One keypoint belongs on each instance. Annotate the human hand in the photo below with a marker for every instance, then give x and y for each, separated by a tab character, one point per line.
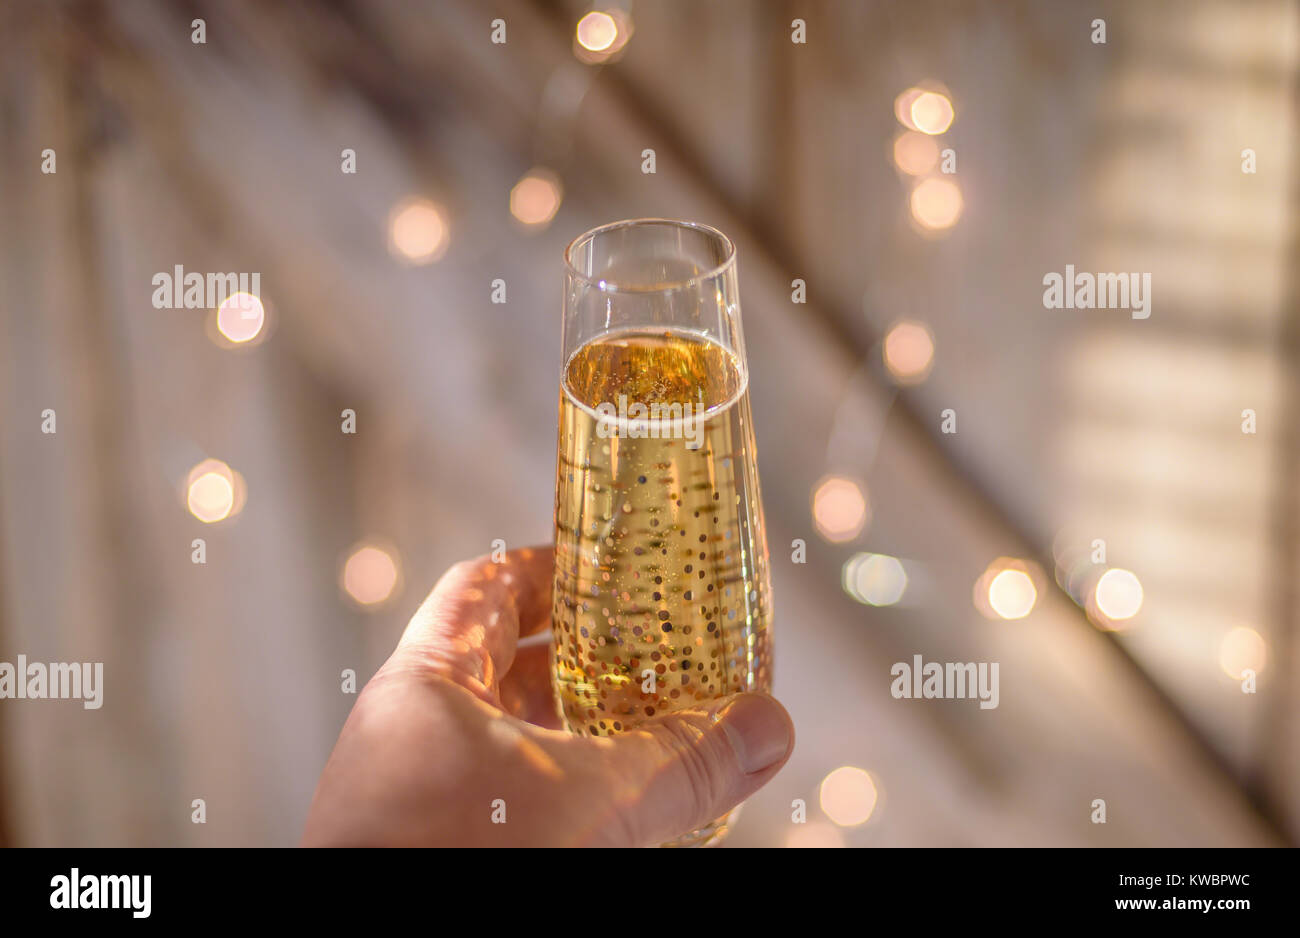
459	716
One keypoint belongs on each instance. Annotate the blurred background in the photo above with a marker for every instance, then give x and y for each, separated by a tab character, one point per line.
1099	523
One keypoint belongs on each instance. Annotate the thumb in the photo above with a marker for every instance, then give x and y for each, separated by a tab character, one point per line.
679	772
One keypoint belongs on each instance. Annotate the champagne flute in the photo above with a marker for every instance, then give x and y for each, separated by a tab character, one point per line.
662	599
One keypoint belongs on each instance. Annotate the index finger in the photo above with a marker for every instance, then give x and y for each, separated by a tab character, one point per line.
467	628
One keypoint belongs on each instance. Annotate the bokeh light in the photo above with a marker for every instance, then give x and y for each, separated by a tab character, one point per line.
1012	594
936	203
535	198
1242	649
903	106
840	509
874	579
931	112
1118	594
213	491
417	231
848	796
1007	589
370	574
240	317
915	153
597	31
908	351
241	493
601	35
815	835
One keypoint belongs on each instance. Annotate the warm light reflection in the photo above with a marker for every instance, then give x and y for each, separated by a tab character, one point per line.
931	112
601	35
840	509
1118	594
211	491
936	203
597	31
536	198
1007	589
903	106
815	835
240	317
874	579
241	494
417	231
848	796
908	352
915	153
1242	649
370	574
1012	594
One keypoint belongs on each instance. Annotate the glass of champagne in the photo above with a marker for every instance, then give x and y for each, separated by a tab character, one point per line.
662	599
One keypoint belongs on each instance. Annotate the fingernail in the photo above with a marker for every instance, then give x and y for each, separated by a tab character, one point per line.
758	730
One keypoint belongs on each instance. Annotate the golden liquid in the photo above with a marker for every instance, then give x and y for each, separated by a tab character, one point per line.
660	555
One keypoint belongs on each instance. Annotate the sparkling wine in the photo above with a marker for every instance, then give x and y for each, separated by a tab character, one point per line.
662	597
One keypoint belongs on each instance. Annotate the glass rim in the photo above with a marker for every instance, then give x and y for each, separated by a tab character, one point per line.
605	286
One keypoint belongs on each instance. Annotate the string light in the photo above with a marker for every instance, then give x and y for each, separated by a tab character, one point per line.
370	574
535	198
1006	590
601	35
417	231
1242	649
840	509
915	153
931	112
1012	594
240	317
815	835
936	203
927	108
908	352
848	796
1118	594
597	31
213	491
874	579
903	106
